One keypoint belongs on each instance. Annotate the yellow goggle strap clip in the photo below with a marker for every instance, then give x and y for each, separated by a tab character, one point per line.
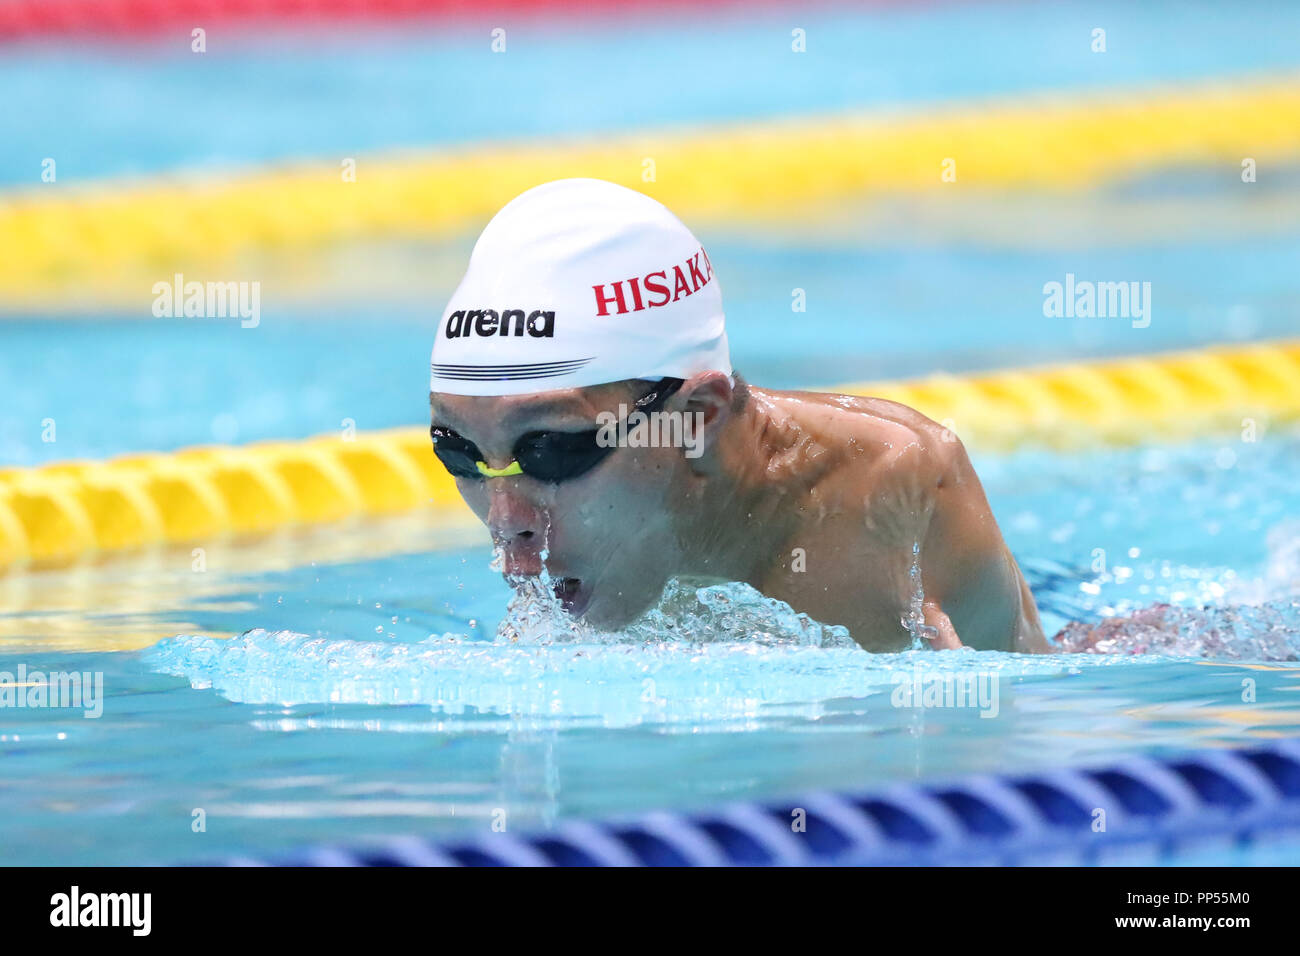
510	469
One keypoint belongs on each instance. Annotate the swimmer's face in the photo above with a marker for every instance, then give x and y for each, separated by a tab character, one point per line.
611	534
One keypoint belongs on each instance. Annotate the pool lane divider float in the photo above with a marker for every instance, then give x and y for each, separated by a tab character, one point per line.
61	513
1138	810
21	19
111	240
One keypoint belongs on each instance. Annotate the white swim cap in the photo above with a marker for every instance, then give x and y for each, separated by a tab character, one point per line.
580	282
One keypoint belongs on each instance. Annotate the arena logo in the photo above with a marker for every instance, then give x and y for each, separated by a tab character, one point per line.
639	292
208	300
485	322
1105	300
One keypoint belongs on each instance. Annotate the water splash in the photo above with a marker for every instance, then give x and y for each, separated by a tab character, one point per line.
1265	632
685	614
734	612
716	656
1280	577
481	686
914	620
534	615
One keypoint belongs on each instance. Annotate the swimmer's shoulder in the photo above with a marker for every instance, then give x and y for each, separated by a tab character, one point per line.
893	433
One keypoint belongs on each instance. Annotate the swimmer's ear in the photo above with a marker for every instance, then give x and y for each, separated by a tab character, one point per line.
709	395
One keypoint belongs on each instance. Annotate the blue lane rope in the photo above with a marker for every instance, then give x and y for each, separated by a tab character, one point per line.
1135	810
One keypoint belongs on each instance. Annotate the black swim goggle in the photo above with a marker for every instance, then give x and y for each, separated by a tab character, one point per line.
547	456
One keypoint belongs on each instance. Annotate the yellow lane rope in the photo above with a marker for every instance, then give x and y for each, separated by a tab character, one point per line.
60	240
59	513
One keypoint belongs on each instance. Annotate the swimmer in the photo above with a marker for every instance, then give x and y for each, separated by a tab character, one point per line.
582	395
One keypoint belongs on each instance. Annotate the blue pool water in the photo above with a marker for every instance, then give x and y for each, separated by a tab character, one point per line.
348	683
347	94
374	699
875	310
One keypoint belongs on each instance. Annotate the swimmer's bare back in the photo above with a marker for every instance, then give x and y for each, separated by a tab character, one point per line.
879	491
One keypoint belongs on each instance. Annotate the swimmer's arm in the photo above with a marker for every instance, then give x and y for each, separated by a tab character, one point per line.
967	570
943	637
907	486
925	489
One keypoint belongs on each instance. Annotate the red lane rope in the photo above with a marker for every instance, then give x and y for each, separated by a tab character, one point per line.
30	18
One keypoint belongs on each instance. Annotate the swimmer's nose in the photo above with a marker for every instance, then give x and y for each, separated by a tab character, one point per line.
517	528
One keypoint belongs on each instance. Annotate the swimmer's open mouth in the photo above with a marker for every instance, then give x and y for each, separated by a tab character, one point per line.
573	597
